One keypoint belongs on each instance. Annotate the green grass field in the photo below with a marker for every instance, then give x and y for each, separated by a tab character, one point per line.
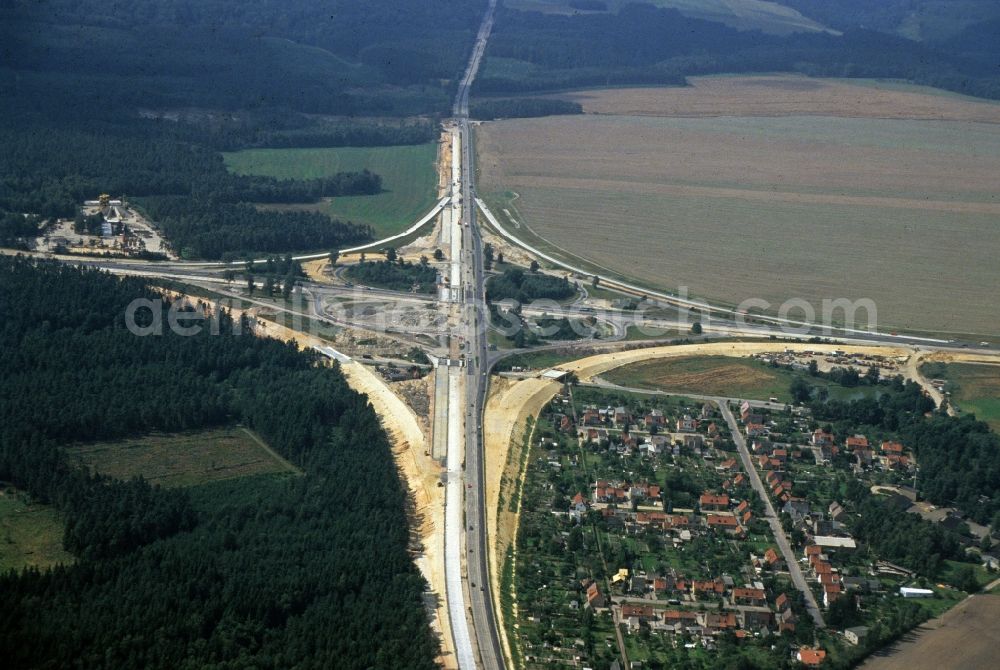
975	389
409	179
721	376
184	459
30	534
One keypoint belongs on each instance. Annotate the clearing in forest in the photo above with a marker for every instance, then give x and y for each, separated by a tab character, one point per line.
184	459
30	533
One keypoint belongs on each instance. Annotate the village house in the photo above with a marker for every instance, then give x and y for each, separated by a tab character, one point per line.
810	657
621	416
687	424
864	457
712	502
728	465
890	447
715	623
643	491
837	513
707	587
821	438
723	522
614	517
566	424
749	596
642	612
893	462
595	599
679	621
578	507
785	620
655	418
855	442
755	617
605	492
637	585
831	593
689	440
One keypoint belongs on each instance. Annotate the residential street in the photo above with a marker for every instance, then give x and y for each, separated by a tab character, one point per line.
772	518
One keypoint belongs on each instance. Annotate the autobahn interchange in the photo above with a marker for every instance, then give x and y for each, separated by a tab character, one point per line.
462	332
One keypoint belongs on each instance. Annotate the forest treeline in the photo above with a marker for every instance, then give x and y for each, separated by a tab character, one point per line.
51	173
488	109
140	97
643	44
374	58
184	187
306	571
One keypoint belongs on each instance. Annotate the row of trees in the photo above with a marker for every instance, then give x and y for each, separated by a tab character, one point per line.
306	571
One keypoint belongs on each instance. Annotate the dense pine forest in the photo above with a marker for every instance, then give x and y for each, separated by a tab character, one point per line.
273	571
644	44
375	58
139	97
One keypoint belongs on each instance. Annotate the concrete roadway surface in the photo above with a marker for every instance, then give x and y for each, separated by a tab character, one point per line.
772	518
473	333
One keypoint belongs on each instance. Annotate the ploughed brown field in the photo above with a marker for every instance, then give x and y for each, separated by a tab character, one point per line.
771	187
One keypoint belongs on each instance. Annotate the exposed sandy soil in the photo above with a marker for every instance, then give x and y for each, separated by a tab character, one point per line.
587	368
421	474
315	270
511	253
507	409
444	162
966	637
783	95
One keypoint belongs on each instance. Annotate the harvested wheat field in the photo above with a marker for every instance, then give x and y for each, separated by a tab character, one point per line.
822	205
785	95
964	638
